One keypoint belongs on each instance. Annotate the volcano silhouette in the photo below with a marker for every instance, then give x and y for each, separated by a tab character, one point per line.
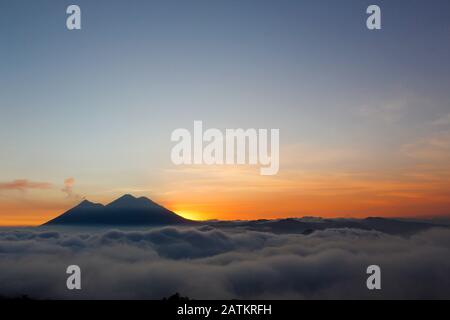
126	210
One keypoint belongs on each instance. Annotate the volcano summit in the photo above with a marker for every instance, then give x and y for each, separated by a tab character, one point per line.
124	211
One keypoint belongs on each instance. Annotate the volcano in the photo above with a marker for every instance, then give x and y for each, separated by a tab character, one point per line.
124	211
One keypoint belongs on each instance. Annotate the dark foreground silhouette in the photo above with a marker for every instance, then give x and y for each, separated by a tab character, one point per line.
125	211
143	212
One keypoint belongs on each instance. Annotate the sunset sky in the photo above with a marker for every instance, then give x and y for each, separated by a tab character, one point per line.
364	116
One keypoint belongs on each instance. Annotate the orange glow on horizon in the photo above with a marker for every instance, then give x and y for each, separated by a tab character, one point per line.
190	215
264	207
240	194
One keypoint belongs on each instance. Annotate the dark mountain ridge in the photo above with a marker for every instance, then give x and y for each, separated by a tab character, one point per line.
142	212
308	225
124	211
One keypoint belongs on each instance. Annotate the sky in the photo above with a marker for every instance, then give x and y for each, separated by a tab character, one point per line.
364	116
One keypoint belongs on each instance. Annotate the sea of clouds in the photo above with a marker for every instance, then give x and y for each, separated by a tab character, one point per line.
210	263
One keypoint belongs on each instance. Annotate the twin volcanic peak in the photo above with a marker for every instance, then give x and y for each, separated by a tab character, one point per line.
126	210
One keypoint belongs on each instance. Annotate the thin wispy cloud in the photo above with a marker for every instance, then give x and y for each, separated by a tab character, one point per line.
442	121
389	112
68	188
23	185
434	147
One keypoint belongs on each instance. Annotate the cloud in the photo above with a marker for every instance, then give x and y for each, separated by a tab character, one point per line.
68	188
24	184
442	121
213	263
389	112
434	147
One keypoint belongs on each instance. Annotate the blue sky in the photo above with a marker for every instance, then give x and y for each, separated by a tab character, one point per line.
99	104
